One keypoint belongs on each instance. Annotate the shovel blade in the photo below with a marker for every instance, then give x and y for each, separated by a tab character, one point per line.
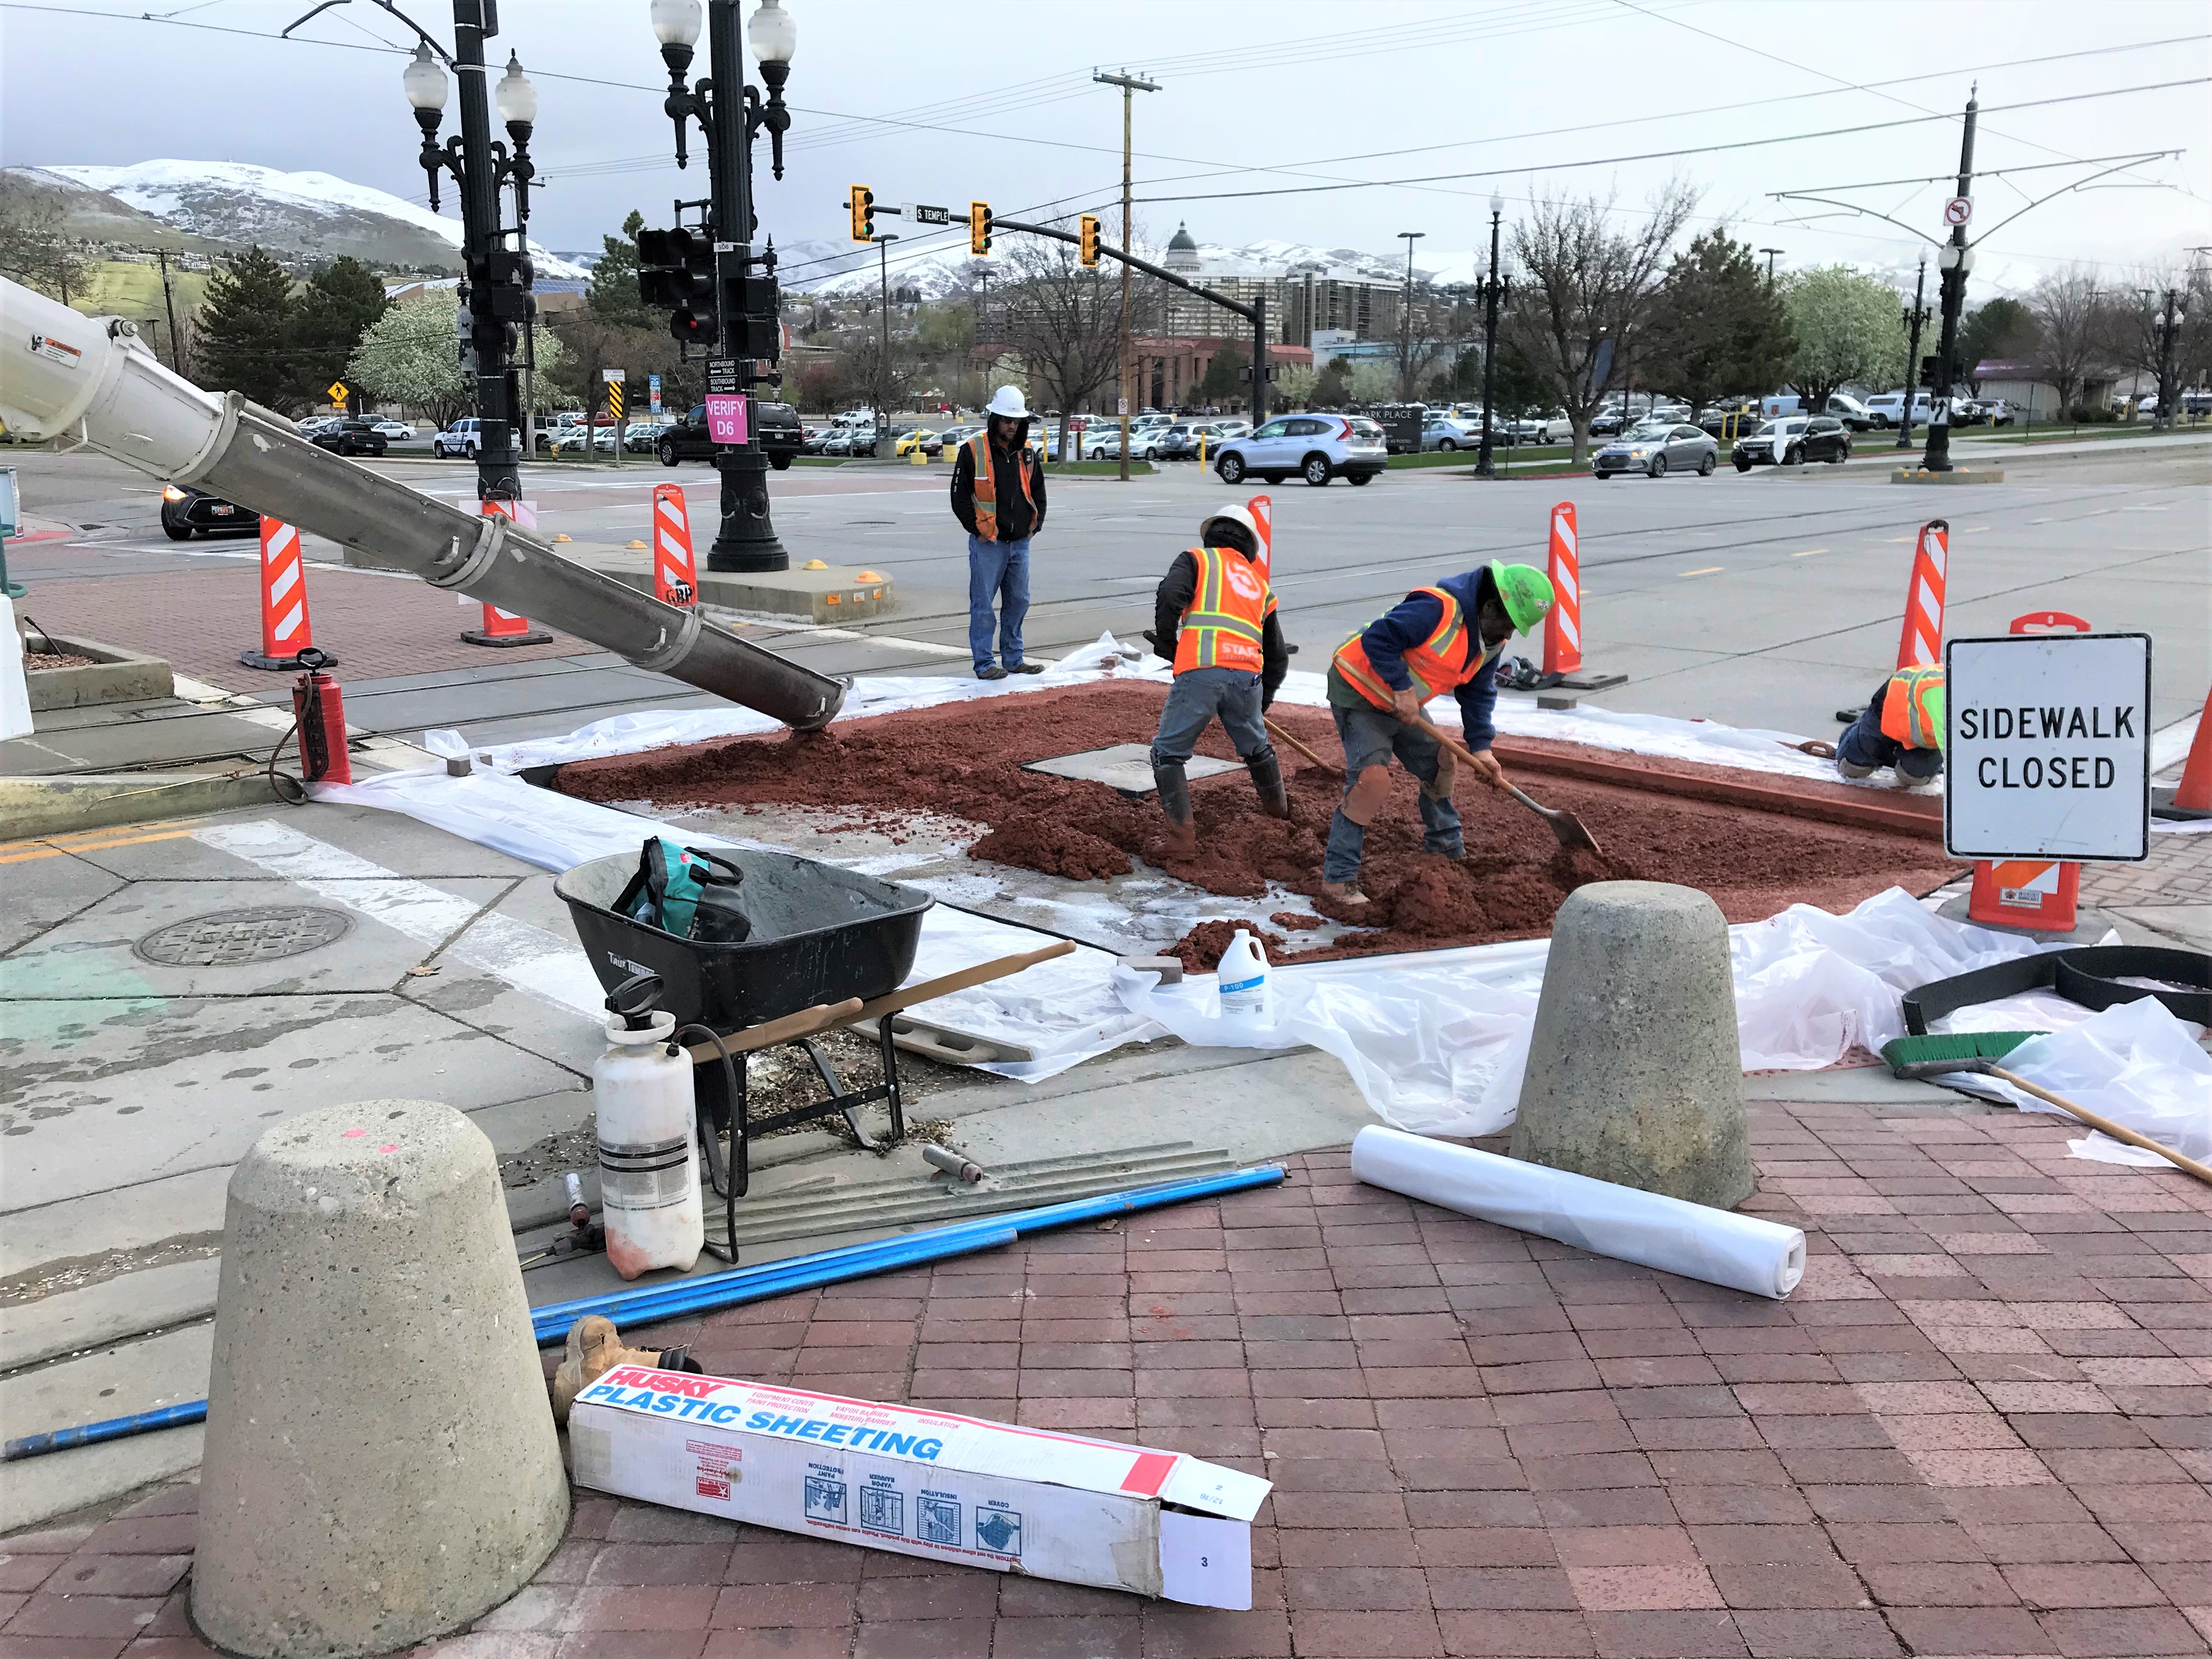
1574	836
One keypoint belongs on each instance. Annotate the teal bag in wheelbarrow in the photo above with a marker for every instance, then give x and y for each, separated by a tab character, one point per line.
687	891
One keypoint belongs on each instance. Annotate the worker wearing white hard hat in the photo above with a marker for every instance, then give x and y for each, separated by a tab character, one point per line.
998	496
1213	618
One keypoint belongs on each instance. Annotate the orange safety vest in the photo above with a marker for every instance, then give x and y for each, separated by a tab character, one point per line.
1434	663
986	489
1905	716
1222	624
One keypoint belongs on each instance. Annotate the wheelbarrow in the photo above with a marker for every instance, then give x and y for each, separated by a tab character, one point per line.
827	949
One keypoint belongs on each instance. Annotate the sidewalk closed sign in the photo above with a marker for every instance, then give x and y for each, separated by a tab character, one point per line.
2048	750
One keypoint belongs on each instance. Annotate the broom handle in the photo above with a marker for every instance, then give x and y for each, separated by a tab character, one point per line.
2117	1131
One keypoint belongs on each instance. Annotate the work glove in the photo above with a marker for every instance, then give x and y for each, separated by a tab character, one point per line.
595	1348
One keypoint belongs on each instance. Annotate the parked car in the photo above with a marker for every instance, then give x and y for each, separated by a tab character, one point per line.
1655	448
309	425
1179	441
1886	409
1798	439
350	437
921	437
1552	429
643	437
459	439
1234	428
1851	411
957	435
1442	432
1730	420
187	513
398	432
1315	447
777	425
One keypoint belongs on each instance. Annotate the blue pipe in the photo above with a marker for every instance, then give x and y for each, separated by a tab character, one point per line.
710	1291
115	1428
704	1295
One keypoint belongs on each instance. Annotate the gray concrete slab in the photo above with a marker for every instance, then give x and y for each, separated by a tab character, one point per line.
151	1299
42	888
43	1489
196	1079
1127	767
119	746
117	1231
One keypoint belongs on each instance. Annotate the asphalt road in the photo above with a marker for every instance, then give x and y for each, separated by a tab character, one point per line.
1768	599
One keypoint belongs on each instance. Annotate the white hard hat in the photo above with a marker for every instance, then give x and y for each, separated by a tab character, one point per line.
1241	516
1008	402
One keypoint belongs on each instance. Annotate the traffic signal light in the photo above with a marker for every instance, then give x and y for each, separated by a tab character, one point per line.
978	228
1090	238
676	274
863	202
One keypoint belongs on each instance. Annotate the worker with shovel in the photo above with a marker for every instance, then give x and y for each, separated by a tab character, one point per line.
1213	618
1439	639
1902	727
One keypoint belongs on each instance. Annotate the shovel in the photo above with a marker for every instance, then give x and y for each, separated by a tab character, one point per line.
1572	835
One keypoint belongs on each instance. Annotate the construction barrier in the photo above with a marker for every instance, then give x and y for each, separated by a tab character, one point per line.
503	630
285	629
1921	645
2194	793
675	574
1563	623
2036	893
1263	509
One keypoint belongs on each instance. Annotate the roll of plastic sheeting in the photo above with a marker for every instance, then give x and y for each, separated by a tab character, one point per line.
1717	1246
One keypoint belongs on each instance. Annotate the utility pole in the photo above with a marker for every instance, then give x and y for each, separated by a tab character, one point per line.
1406	320
884	361
1131	84
1955	259
1916	316
1769	252
169	304
1485	463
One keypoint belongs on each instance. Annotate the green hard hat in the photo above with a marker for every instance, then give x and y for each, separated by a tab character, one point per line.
1525	591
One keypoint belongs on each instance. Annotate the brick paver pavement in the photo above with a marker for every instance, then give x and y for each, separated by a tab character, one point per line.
2178	871
201	619
1982	1426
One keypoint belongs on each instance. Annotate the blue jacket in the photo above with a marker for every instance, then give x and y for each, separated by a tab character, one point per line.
1389	636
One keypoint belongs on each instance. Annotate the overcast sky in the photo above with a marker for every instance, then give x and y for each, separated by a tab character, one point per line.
993	101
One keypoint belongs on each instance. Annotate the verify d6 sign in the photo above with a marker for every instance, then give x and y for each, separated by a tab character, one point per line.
2048	753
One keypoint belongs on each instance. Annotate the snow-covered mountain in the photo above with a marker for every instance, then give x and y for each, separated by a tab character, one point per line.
303	215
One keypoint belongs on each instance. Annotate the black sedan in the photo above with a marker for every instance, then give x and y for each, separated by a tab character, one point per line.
351	436
1792	441
187	513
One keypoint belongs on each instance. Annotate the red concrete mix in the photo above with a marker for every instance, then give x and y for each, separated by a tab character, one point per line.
965	760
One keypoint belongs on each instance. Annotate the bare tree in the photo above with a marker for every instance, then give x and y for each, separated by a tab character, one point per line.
2134	337
1587	293
2069	324
1062	320
35	248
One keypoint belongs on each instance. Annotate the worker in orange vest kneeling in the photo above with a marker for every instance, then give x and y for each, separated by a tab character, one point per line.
1436	639
1213	618
1902	727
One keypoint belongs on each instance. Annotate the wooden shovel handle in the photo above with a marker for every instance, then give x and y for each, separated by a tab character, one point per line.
806	1023
2117	1131
1460	751
1295	744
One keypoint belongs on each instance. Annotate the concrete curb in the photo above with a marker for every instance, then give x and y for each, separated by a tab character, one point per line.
32	807
114	675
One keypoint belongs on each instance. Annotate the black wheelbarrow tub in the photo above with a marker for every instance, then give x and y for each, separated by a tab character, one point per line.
820	934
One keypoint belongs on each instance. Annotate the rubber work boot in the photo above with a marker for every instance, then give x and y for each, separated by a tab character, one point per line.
1174	802
1266	771
1345	893
595	1348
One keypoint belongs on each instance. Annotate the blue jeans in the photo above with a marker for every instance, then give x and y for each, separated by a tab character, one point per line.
1370	738
1001	571
1864	744
1198	696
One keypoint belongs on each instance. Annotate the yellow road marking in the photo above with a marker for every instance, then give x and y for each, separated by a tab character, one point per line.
70	838
1710	570
1809	553
53	849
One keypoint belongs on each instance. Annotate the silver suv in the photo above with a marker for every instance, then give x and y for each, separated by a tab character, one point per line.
1316	447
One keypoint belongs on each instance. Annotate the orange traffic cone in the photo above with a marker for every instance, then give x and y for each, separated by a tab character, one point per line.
2192	796
503	628
285	629
1921	645
1562	626
1262	508
675	577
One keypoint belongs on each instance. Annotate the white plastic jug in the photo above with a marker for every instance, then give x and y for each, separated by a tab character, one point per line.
1242	978
648	1157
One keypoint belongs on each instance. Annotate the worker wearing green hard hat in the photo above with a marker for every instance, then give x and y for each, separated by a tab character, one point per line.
1439	639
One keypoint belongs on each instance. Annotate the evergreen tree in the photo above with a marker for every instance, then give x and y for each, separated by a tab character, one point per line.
241	330
2002	328
336	307
613	295
1720	327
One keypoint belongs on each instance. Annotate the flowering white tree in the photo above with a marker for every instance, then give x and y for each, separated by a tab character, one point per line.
411	355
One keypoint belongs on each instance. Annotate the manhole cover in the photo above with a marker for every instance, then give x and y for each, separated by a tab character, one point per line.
225	938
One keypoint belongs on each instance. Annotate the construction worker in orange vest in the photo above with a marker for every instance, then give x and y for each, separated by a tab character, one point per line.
1439	639
1213	618
1902	727
998	496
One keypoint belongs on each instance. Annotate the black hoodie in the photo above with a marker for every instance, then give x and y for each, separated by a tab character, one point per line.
1013	514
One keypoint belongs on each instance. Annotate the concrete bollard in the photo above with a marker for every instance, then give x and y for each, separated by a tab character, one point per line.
381	1463
1635	1073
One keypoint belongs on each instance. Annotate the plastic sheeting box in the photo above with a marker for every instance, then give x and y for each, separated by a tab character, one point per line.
922	1483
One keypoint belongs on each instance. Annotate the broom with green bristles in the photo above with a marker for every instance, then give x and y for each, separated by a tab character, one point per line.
1922	1058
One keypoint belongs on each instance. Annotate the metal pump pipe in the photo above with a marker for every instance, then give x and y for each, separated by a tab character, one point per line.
65	374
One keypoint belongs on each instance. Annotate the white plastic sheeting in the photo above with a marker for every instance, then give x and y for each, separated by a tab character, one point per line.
1694	1240
2136	1063
15	688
